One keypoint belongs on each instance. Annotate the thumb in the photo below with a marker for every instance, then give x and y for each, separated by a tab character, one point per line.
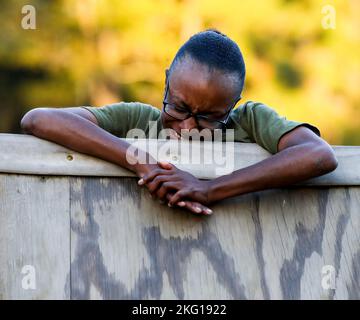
165	165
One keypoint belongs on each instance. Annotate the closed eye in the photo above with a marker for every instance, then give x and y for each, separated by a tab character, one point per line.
214	116
177	108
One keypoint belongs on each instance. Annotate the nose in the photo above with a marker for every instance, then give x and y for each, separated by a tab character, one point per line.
188	124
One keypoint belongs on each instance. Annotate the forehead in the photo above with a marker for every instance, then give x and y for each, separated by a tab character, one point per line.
201	89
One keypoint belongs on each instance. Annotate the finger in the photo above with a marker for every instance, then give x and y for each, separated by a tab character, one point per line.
196	208
205	210
151	175
158	181
165	165
166	188
169	195
178	196
190	205
193	205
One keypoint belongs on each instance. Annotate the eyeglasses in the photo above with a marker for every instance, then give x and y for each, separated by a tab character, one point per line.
181	114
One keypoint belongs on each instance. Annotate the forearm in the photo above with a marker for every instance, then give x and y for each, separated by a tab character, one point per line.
287	167
81	135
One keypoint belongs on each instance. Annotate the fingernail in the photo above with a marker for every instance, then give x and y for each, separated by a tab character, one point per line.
140	182
208	211
198	210
169	205
181	204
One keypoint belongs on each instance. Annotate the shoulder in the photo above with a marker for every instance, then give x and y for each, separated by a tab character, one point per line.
250	107
246	113
134	107
130	110
118	118
264	125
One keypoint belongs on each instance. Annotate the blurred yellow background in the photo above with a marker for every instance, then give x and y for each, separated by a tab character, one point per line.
93	52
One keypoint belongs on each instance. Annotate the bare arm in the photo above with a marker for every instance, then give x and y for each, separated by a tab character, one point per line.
77	129
301	155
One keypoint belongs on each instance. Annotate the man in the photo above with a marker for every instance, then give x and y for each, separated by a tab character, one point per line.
203	84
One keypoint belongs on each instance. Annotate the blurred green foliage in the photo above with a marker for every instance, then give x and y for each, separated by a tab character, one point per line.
94	52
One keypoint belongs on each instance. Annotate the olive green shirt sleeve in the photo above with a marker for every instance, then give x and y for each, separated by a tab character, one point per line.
252	122
119	118
265	126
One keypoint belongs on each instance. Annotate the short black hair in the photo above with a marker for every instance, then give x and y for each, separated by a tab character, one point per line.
216	51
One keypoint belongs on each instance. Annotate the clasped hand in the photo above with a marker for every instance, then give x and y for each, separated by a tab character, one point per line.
177	187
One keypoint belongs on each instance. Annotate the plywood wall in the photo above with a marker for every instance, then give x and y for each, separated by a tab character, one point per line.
105	238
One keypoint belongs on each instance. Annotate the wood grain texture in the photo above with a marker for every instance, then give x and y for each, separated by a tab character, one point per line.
105	238
30	155
266	245
34	231
97	237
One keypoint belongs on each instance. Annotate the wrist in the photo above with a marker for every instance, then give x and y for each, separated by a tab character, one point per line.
142	169
214	191
211	191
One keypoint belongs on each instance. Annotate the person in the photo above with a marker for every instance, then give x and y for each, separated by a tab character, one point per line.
202	86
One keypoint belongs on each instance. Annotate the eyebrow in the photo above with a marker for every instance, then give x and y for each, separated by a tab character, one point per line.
181	102
184	104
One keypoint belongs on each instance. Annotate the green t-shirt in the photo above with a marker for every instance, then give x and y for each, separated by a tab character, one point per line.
252	122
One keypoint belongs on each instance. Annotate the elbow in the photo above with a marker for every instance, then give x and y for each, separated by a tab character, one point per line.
326	160
27	122
34	120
